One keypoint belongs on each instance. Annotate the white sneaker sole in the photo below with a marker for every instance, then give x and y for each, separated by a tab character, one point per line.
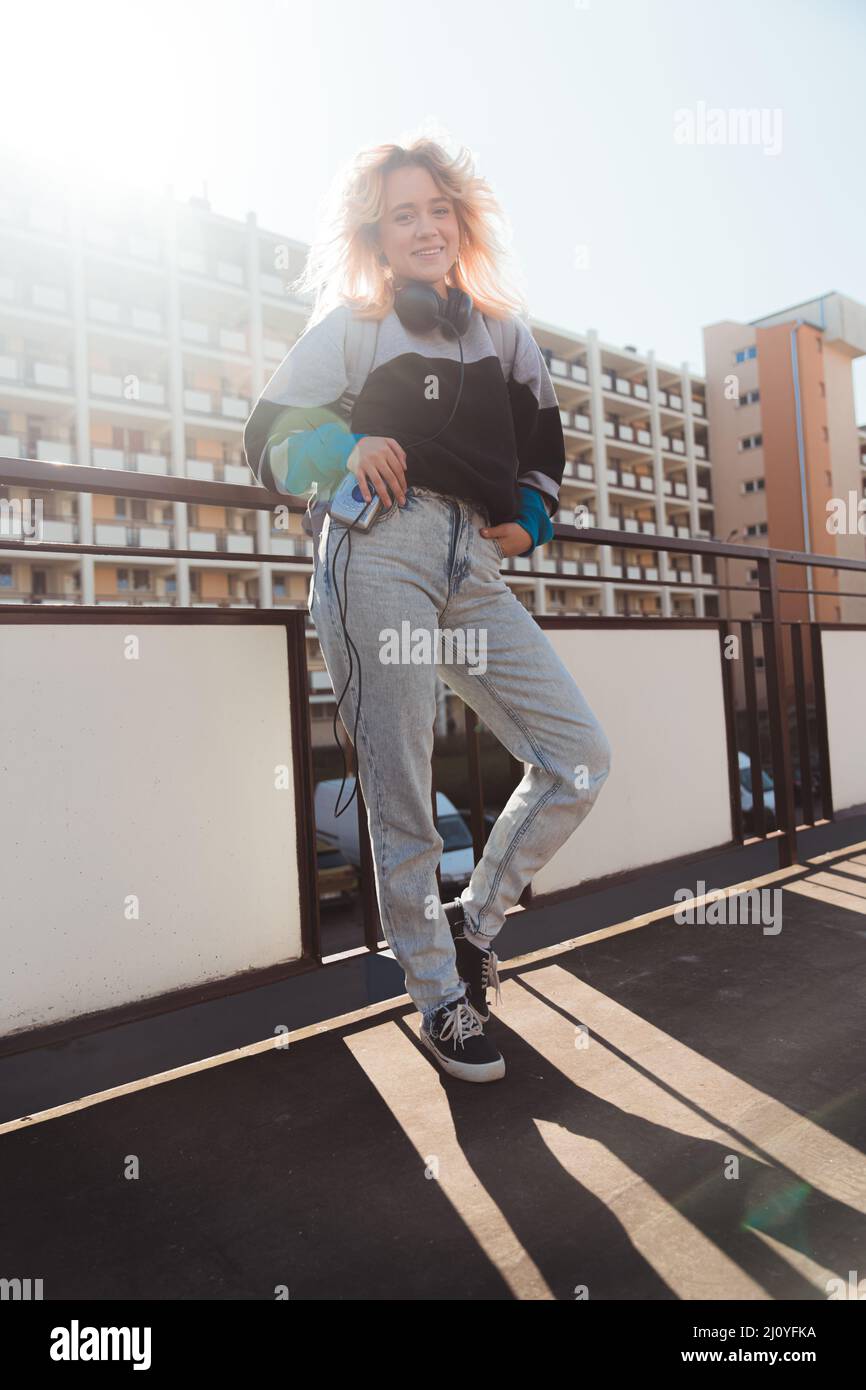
465	1071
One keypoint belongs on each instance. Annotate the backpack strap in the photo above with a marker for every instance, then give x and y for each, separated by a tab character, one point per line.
362	336
359	350
503	335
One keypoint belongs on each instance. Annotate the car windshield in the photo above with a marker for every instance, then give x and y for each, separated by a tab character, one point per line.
455	833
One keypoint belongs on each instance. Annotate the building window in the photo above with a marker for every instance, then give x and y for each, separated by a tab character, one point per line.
749	398
754	485
6	576
759	529
745	353
123	579
751	441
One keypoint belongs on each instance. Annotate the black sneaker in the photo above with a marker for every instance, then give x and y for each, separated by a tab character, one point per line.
476	968
455	1036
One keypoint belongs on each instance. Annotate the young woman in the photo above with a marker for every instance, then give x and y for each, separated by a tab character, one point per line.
459	489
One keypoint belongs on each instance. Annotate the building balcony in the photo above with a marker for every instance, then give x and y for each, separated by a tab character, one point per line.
136	535
136	598
194	264
214	336
222	538
567	371
130	463
127	388
112	313
204	470
35	375
19	293
8	594
576	420
212	403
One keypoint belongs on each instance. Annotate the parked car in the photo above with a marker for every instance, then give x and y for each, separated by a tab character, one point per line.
339	880
747	797
489	820
457	862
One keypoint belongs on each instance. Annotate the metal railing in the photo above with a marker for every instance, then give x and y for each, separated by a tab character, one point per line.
810	742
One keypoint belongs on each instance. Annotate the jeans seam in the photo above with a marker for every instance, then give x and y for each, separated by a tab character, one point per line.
512	846
337	627
382	827
452	550
527	820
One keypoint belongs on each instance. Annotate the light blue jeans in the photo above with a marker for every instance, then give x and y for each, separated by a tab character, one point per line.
424	569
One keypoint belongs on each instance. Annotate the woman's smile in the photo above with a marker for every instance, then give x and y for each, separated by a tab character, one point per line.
419	232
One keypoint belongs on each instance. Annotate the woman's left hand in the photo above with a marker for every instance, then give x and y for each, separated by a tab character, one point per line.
513	538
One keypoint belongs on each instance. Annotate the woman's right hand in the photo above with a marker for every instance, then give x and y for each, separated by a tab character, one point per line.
376	461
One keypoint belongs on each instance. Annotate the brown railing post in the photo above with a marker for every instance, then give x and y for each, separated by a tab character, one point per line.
777	712
821	723
759	817
476	794
731	734
305	813
804	746
369	902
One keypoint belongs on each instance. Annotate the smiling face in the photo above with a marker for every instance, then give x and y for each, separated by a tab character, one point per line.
418	216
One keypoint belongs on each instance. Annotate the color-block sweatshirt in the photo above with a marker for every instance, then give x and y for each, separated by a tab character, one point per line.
505	434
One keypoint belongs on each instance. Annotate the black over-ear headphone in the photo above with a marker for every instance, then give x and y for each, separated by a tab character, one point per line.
419	308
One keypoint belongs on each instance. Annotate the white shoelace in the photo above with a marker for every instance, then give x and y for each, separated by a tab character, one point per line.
491	975
463	1022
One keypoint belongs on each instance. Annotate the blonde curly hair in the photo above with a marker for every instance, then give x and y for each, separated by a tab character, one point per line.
343	265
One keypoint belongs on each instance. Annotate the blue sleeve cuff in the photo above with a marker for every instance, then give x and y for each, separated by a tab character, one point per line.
534	517
313	456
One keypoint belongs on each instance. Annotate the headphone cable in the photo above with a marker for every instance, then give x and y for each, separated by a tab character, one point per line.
350	645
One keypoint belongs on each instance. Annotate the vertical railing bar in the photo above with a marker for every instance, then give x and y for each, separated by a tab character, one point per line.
821	723
476	790
751	689
731	735
803	746
777	713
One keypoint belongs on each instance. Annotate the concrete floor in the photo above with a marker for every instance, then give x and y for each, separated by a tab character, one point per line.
683	1117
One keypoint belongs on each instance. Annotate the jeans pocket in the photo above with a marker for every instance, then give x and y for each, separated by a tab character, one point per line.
385	513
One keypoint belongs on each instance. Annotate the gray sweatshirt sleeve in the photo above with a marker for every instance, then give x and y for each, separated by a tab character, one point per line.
297	438
537	422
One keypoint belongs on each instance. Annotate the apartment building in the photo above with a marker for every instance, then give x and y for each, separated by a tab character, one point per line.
638	461
135	334
780	400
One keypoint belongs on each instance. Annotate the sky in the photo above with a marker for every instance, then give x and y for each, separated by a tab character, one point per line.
584	116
